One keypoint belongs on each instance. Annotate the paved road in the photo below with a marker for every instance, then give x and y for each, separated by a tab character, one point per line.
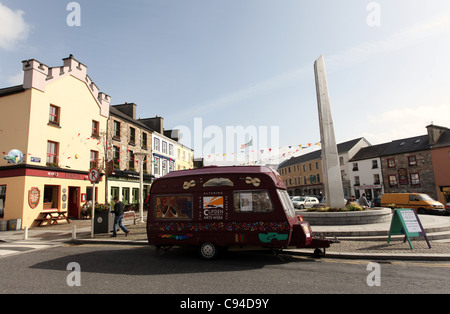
137	269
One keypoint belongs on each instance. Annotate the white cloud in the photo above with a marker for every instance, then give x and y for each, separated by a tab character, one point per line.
405	122
13	28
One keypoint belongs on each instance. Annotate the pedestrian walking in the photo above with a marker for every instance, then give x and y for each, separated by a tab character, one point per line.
118	219
363	201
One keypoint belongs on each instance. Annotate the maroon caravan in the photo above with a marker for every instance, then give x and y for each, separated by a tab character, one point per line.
219	207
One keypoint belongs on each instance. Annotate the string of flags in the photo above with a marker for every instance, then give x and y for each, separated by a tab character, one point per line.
286	152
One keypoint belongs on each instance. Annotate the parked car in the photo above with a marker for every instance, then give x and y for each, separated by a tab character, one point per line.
422	203
323	202
302	202
447	209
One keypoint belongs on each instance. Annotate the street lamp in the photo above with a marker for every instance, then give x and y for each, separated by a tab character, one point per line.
141	157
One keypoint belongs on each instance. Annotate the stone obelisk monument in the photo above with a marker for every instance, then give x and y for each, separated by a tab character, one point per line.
330	160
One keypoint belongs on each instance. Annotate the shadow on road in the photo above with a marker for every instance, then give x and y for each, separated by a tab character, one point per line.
132	260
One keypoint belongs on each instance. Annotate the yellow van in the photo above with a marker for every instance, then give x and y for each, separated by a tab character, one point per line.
422	203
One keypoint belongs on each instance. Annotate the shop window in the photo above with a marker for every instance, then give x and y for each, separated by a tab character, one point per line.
126	196
114	193
173	207
135	199
51	196
252	202
2	200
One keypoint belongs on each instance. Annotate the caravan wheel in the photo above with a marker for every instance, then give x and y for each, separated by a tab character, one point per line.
208	251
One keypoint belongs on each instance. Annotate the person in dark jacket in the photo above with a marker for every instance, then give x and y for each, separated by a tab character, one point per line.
118	219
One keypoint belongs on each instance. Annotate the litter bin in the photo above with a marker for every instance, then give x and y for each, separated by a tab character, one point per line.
3	225
103	221
14	224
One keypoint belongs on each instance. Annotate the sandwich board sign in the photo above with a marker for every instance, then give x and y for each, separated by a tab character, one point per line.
405	221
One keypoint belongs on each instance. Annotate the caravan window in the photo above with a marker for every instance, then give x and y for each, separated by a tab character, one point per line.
252	202
173	207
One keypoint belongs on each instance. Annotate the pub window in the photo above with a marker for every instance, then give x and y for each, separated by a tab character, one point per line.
2	200
51	196
173	207
412	161
156	144
52	153
164	147
135	198
252	202
126	196
54	115
171	149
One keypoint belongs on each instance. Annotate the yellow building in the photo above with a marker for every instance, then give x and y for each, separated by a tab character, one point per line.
185	158
57	120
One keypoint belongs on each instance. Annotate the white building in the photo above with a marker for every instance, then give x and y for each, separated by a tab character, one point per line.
365	172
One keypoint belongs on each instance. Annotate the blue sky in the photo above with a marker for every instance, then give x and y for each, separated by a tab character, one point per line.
250	62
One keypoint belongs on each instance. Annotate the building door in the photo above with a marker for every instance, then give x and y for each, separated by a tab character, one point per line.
74	201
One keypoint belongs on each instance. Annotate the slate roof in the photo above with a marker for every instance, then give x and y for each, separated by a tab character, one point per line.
402	146
342	148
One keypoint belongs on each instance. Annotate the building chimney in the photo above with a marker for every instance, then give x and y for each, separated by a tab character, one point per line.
156	123
127	108
434	132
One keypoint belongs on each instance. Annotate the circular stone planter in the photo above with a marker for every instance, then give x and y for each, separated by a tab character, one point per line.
370	216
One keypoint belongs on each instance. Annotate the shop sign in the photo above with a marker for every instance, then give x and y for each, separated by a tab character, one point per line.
34	195
402	176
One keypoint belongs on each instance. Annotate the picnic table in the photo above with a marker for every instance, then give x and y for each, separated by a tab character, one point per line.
52	217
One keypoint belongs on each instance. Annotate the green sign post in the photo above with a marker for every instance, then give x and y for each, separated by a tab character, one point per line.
405	221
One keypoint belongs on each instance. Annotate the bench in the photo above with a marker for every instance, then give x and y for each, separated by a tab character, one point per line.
52	217
130	214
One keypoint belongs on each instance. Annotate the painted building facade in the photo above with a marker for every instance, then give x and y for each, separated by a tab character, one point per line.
55	119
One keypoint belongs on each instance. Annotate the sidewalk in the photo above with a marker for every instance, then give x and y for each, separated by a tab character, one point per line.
359	246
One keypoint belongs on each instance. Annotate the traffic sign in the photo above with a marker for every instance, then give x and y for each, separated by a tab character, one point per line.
93	175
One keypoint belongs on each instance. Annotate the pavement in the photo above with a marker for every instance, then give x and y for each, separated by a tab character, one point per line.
355	241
